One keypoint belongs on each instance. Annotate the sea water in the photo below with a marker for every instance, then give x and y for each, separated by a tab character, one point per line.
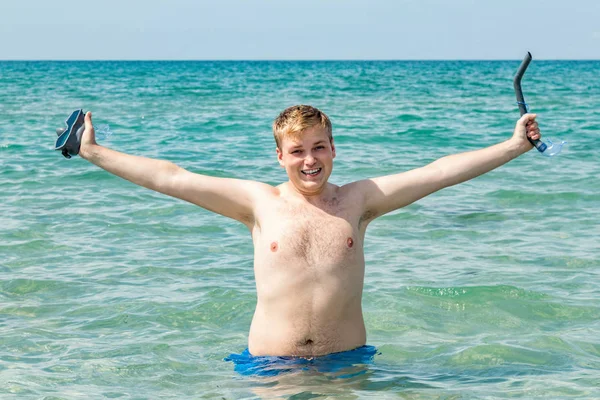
489	289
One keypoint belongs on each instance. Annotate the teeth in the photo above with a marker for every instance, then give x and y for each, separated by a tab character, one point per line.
311	171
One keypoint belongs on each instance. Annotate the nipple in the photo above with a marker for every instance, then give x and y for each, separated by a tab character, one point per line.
274	247
350	242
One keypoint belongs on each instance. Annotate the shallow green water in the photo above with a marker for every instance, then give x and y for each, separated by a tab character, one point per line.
490	289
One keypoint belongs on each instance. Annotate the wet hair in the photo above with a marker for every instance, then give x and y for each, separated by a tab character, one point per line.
293	121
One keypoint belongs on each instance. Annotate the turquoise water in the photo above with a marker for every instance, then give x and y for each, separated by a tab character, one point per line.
490	289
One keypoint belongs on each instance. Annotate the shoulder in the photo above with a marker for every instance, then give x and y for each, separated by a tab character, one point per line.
262	187
355	195
358	189
260	191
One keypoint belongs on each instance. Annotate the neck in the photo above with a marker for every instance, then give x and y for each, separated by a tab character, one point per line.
323	193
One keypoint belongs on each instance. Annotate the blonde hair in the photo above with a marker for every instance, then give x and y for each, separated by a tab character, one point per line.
293	121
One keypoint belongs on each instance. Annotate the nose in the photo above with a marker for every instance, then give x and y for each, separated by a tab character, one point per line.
309	159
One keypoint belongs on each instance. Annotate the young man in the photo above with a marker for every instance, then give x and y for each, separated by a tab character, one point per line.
308	233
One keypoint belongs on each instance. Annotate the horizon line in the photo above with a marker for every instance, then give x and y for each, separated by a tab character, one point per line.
284	59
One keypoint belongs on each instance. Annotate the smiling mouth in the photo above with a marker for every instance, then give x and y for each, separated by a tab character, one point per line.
311	172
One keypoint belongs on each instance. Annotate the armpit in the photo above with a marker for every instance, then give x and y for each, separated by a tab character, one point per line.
245	218
367	217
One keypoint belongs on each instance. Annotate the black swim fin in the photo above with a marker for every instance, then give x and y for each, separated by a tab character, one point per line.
69	138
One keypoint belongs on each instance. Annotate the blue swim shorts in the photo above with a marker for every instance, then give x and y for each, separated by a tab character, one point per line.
247	364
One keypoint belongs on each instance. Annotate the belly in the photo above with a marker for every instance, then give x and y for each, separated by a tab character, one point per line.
308	312
305	337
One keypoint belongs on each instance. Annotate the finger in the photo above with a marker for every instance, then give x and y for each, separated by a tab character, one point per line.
534	134
88	120
532	124
533	127
526	118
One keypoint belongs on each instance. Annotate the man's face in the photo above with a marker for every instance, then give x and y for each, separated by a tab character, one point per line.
308	160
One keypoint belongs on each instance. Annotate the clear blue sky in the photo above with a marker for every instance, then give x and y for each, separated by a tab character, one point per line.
300	29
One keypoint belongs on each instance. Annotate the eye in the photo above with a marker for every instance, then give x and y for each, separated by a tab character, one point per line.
297	151
319	147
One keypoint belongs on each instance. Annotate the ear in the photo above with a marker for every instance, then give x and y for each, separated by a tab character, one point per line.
332	149
280	157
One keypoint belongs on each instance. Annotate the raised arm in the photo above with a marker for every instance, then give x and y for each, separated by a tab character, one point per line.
388	193
232	198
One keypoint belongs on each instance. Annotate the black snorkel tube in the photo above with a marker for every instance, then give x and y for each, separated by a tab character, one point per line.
547	150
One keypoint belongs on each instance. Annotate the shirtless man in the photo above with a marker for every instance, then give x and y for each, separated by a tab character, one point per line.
308	234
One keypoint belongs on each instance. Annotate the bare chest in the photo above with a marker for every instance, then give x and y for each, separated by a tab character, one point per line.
310	236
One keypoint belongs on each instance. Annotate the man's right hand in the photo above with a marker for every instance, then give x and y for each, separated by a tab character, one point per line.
88	139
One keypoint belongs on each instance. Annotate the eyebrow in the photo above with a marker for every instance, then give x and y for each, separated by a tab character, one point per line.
300	145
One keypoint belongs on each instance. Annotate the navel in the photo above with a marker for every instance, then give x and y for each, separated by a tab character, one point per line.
274	247
350	242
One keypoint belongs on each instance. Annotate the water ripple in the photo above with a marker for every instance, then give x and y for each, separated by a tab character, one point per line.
486	290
